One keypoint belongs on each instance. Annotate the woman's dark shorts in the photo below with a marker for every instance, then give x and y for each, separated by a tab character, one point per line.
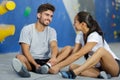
118	61
41	62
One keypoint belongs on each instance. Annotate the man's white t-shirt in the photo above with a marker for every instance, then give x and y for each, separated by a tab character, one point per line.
39	41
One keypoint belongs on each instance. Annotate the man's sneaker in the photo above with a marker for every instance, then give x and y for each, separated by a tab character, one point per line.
44	69
20	68
109	76
38	70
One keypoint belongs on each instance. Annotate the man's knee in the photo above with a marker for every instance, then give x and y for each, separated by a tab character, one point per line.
20	56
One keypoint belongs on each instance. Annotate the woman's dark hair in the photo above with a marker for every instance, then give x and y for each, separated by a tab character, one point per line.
91	23
45	7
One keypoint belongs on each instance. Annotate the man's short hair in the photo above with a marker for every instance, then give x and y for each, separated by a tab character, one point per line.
45	7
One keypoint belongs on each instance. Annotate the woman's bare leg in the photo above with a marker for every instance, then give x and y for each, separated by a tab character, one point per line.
91	72
64	53
106	59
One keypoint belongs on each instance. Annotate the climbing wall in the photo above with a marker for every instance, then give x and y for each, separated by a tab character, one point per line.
106	12
25	13
108	15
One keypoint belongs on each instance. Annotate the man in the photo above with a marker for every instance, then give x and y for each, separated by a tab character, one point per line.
39	45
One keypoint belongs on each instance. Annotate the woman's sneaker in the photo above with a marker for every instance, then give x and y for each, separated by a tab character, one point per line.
105	75
20	68
66	74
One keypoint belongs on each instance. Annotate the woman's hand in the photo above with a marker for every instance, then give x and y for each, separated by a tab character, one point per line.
54	70
53	61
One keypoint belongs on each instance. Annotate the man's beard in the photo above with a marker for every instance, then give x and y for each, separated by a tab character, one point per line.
43	23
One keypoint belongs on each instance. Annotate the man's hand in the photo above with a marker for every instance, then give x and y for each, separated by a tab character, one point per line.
37	66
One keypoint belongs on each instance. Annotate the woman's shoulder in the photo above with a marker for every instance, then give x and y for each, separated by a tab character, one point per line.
80	33
94	33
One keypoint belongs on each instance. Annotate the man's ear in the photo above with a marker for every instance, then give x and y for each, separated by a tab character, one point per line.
38	15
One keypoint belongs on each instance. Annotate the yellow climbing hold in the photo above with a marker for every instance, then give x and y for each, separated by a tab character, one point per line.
10	5
6	6
5	31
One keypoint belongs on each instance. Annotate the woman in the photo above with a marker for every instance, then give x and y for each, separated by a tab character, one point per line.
99	56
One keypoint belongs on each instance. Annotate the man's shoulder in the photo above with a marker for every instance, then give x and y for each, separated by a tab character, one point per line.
51	28
29	26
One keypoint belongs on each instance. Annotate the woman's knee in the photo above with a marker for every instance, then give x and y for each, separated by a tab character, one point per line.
101	49
71	67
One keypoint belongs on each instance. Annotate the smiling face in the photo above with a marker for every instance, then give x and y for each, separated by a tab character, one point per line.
45	17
